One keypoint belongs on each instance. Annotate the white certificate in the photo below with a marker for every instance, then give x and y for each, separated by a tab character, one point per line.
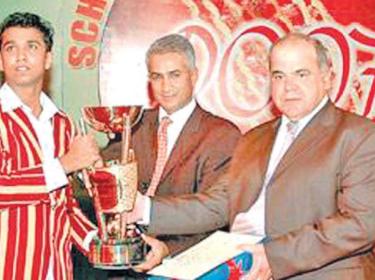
204	256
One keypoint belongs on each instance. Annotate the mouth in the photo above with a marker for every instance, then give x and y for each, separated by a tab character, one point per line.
22	68
291	99
168	96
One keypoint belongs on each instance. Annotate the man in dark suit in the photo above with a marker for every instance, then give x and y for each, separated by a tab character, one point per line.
199	144
305	181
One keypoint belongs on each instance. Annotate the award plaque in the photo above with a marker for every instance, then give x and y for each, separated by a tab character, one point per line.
113	188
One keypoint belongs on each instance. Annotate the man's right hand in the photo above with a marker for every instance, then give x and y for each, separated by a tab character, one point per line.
83	152
158	252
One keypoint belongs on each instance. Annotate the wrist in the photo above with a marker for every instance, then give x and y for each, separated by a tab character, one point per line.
66	164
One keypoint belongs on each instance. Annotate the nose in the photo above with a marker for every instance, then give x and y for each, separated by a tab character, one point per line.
21	54
289	83
166	84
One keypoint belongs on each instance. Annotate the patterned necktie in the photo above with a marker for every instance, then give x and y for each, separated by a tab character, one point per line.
292	129
161	159
290	136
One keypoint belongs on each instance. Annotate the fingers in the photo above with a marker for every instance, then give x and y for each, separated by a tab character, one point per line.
254	272
158	252
83	152
260	269
151	262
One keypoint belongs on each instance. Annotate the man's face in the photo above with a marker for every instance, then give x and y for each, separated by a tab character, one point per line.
297	83
172	81
24	57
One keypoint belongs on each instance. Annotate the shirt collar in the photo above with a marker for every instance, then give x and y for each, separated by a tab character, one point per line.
10	101
306	119
181	115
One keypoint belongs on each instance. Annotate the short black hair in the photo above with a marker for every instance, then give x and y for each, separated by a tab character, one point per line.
29	20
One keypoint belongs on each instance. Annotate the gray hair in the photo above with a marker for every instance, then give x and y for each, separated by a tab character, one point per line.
172	43
324	61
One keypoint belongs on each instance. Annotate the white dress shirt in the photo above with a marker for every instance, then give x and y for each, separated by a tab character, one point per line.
253	221
179	119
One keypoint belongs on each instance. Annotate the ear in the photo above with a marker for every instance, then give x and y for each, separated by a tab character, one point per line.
48	61
328	77
1	63
194	75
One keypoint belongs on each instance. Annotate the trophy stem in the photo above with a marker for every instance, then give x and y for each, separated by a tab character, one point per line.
92	191
123	225
99	217
125	141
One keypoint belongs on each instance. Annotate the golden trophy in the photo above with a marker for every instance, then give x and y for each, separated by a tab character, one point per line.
113	188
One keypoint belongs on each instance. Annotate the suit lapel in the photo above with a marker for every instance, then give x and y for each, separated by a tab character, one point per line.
257	171
186	143
149	139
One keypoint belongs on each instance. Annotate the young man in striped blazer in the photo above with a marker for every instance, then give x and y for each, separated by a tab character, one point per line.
39	218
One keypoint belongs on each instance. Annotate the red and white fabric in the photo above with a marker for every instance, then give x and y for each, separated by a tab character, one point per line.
162	155
35	225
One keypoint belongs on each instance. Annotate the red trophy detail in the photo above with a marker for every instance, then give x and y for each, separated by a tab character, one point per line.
113	188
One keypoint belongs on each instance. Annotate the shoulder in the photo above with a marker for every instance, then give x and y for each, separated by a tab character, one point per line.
256	139
216	124
63	117
352	127
353	120
62	121
262	129
149	118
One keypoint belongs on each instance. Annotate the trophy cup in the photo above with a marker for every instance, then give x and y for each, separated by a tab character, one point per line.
113	188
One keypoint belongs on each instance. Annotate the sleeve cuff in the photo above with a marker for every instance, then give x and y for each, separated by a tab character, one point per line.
146	215
54	174
89	237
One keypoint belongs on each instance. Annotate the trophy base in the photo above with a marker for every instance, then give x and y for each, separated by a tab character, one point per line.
117	254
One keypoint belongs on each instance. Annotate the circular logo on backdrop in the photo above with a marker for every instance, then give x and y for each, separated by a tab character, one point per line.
231	39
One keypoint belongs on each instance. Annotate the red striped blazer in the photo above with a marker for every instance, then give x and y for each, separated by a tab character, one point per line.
35	225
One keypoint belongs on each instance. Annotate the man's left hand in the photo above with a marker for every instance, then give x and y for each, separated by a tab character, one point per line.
158	252
260	269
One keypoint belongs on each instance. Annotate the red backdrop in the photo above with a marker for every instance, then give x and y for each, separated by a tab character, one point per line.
231	39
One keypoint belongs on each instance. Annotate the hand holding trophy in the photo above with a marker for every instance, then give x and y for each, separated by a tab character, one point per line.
113	187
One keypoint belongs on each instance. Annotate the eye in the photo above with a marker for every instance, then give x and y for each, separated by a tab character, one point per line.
277	76
175	75
303	74
154	77
33	46
9	48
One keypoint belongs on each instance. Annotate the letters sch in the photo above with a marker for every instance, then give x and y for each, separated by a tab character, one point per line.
85	32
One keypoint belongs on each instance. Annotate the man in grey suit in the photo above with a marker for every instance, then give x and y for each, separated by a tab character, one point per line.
305	181
199	145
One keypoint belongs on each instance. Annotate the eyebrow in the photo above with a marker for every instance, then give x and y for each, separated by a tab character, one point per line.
167	73
298	71
7	43
10	42
303	70
277	72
